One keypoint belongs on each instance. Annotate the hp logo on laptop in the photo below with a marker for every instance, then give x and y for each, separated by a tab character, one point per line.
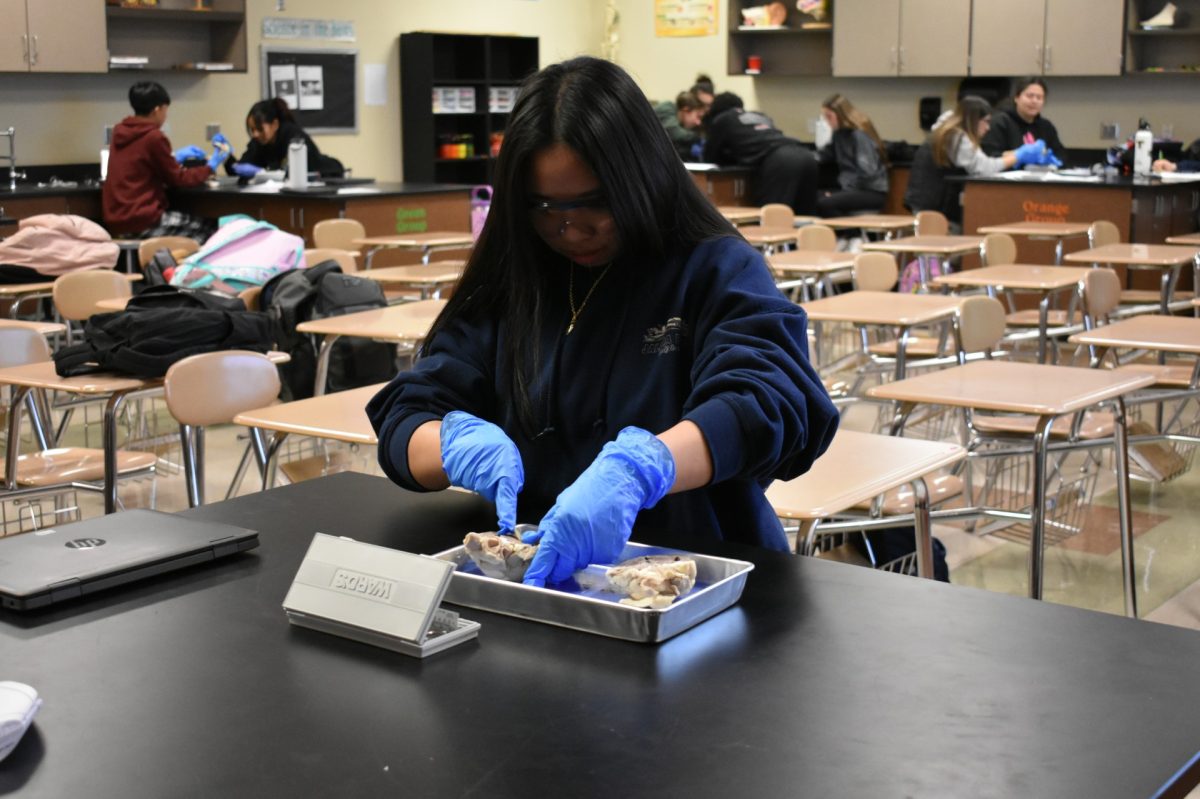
85	543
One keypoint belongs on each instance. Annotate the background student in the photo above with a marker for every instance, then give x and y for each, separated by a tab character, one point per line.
272	127
857	153
141	167
616	358
681	119
1023	123
785	171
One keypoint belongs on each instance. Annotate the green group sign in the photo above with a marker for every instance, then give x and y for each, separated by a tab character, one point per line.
411	220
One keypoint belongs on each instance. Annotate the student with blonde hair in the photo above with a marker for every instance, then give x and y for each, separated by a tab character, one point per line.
856	151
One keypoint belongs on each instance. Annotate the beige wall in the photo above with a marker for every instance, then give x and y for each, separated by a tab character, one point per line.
61	118
1077	106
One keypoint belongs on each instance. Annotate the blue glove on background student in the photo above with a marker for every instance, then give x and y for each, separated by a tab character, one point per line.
1050	158
217	158
1031	153
191	151
477	455
242	169
219	139
592	518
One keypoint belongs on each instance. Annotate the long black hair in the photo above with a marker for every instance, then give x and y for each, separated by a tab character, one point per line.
274	110
595	108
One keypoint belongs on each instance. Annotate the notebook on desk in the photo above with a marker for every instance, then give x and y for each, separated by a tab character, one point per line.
57	563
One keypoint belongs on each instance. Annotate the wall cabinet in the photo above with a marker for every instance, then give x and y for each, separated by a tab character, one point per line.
473	81
791	49
1170	51
52	36
876	38
175	35
1046	37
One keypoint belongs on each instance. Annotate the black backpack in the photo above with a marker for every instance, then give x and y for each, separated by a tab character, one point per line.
145	342
299	295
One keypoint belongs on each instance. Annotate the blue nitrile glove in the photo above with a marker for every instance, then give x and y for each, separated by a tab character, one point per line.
224	142
478	456
697	151
592	518
217	158
1050	158
1031	153
242	169
191	151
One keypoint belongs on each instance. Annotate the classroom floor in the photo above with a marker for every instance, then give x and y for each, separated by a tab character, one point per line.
1083	570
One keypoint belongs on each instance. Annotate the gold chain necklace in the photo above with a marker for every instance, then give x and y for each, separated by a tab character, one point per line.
575	312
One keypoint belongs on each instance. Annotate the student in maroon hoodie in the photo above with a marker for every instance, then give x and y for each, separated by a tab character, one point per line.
141	167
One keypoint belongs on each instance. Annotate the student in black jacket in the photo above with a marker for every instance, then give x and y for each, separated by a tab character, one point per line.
1023	123
857	152
785	171
272	127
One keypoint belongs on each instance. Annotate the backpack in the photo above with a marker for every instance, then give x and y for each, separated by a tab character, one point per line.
315	293
244	252
145	342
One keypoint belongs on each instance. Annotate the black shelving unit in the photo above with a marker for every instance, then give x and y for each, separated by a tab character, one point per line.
478	64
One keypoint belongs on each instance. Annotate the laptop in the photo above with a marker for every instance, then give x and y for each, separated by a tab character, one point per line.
46	566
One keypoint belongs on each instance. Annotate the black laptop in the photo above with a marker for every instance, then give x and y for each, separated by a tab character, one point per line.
57	563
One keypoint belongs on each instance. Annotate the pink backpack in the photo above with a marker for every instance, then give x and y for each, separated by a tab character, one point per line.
910	278
243	252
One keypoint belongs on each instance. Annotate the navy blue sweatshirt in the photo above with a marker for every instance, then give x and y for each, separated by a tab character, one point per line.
707	338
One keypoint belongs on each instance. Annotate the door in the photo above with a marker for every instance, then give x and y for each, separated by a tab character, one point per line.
14	38
1083	37
1006	37
67	36
934	35
866	38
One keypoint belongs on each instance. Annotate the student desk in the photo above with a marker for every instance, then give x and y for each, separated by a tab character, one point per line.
859	467
428	279
884	309
740	214
888	225
17	293
935	688
340	416
800	267
1045	281
1168	260
1057	232
1046	392
768	239
925	248
45	328
405	323
424	243
1188	240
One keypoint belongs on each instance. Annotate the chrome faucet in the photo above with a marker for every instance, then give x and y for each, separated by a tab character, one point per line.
13	174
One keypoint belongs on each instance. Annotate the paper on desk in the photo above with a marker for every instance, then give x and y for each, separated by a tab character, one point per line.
1179	177
270	187
358	190
693	166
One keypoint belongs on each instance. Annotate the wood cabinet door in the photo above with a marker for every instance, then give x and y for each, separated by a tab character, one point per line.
14	40
934	35
1007	37
1083	37
866	38
68	36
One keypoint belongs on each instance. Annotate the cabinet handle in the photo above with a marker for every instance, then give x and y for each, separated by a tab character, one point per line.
25	47
895	60
301	219
901	64
33	50
1046	68
292	217
1037	57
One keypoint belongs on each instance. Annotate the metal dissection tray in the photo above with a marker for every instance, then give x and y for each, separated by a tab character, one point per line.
583	604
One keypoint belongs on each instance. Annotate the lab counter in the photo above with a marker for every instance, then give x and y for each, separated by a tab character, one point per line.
31	199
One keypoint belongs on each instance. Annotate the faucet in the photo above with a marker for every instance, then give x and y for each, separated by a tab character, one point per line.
13	174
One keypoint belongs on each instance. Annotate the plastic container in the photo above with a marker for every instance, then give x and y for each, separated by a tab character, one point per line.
1143	144
297	164
481	203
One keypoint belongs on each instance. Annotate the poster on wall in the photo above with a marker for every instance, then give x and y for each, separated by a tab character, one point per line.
283	83
685	17
312	87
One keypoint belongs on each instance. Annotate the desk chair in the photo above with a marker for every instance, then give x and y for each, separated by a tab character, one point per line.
180	247
776	215
76	294
345	258
875	271
816	237
212	388
338	234
51	471
932	223
1102	233
998	248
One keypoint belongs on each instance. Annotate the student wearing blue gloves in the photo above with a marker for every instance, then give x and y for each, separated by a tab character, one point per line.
141	167
272	127
616	359
953	148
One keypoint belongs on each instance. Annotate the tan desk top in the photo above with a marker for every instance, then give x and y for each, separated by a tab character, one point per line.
882	308
408	321
1134	255
1151	332
45	328
340	416
813	261
1014	387
1054	230
113	303
432	273
740	214
871	221
858	467
757	234
42	375
1192	239
935	245
418	241
17	289
1016	276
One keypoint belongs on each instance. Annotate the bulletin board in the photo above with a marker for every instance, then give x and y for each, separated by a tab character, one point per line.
319	84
